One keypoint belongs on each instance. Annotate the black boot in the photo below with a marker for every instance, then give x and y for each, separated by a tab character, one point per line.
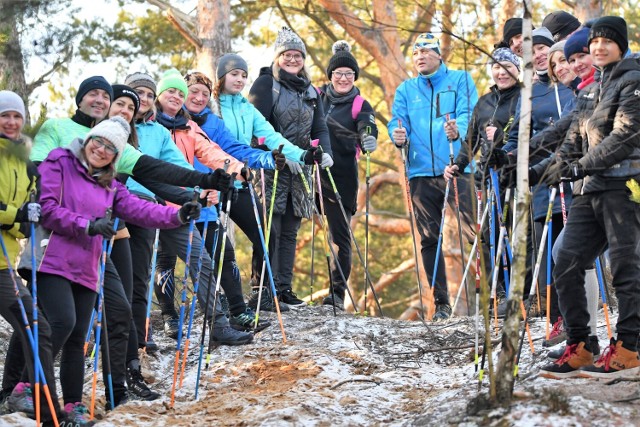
266	302
136	383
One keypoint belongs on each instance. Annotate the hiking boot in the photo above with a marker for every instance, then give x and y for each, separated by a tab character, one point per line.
77	415
151	346
557	334
136	385
266	302
118	399
575	356
616	361
443	312
593	343
329	300
290	298
21	400
245	321
226	335
171	326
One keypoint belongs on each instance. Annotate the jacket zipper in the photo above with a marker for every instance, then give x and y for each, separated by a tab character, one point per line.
15	188
433	159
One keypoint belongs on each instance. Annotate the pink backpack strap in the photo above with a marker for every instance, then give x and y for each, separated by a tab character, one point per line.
356	107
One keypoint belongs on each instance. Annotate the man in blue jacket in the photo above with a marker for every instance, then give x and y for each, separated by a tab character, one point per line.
416	128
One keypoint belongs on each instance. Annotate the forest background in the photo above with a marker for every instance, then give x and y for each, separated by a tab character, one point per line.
48	46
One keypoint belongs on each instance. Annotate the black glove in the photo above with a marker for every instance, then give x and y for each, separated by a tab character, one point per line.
247	174
279	159
533	177
564	170
102	226
498	158
189	211
312	155
217	180
29	212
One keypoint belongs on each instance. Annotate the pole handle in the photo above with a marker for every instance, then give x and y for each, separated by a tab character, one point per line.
261	140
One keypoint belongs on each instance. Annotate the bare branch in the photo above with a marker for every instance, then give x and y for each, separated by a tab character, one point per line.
66	58
189	35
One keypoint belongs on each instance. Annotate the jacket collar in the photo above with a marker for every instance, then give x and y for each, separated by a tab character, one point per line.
436	77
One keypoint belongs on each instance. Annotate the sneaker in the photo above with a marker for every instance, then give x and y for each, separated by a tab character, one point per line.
136	384
21	400
290	298
329	300
557	334
245	321
443	312
171	326
616	361
77	415
226	335
593	343
575	356
266	302
224	304
118	399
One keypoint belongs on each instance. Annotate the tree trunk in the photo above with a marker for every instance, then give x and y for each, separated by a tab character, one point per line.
510	333
587	9
213	27
11	59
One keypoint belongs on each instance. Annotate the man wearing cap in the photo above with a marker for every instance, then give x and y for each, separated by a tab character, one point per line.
416	128
512	35
561	24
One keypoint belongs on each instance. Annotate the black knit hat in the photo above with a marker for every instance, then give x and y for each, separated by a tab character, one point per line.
512	28
612	28
342	57
120	91
91	83
561	24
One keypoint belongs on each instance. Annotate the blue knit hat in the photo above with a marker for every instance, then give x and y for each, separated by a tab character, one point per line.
503	54
577	43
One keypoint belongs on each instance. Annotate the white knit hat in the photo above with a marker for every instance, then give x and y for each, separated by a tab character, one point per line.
116	130
11	101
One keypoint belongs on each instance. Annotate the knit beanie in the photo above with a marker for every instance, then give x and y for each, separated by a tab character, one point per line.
91	83
342	57
11	101
512	28
577	43
560	24
505	54
229	62
612	28
288	40
428	41
542	36
141	79
120	91
172	79
116	130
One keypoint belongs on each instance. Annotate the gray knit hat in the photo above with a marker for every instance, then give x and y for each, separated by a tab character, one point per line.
542	36
288	40
116	130
229	62
141	79
11	101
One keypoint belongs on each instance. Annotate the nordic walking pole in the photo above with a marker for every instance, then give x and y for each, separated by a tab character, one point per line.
366	217
478	269
313	229
266	252
103	264
208	297
549	279
604	296
403	151
194	298
183	301
353	237
154	260
33	218
88	338
39	372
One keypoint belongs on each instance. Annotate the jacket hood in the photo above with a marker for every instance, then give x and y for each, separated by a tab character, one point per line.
21	148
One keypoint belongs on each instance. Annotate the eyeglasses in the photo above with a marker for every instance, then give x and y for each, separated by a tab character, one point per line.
292	57
108	147
340	74
148	95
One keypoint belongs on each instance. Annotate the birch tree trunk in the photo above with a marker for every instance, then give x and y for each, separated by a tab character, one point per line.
510	333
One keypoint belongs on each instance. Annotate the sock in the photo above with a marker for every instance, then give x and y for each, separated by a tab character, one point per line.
591	288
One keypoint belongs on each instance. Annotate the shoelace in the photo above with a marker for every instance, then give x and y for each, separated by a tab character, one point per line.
568	352
606	357
557	328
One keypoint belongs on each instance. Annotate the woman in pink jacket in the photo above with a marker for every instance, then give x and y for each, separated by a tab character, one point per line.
78	188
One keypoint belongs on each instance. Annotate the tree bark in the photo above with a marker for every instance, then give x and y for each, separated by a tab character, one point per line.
11	60
213	28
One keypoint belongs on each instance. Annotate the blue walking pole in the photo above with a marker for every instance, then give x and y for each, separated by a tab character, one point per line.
154	260
38	374
604	296
34	293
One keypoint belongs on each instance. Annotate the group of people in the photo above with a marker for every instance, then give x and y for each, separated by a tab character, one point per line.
127	166
138	165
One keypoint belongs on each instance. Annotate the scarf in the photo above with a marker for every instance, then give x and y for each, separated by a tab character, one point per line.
341	98
293	82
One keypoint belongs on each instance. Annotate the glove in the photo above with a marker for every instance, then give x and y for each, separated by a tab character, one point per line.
102	226
29	212
533	177
279	159
498	158
312	155
327	161
564	170
294	167
369	143
189	211
247	174
218	180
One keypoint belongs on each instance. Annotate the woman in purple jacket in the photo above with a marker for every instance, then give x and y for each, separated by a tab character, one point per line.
78	187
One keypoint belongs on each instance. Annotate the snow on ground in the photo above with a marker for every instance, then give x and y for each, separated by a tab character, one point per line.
353	370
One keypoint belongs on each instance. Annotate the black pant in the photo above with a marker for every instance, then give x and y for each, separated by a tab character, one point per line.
282	246
11	312
598	219
340	236
141	244
556	228
427	196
